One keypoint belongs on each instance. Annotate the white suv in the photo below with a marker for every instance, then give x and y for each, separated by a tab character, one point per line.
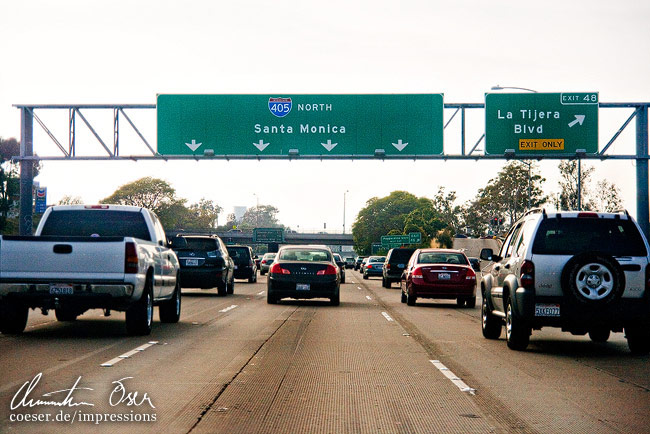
585	272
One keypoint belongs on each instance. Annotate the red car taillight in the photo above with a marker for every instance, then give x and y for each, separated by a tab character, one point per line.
527	276
387	267
471	275
417	274
264	261
130	259
327	271
277	269
368	266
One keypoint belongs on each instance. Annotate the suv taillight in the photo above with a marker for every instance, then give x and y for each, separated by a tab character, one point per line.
130	259
527	276
387	267
277	269
327	271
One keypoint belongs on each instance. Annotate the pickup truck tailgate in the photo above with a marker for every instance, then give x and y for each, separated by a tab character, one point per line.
61	258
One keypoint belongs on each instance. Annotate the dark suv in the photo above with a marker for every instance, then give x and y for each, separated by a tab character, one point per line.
205	263
394	265
245	267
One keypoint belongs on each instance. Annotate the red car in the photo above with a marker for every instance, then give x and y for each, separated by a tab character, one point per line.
439	273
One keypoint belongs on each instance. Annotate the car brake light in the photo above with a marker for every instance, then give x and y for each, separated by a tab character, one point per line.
277	269
527	276
470	275
417	273
96	207
130	259
329	270
592	215
368	266
387	267
264	261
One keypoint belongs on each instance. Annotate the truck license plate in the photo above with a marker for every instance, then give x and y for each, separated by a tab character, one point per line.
547	310
61	289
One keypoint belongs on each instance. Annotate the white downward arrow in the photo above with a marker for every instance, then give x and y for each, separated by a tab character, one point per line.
261	145
329	145
400	145
579	119
193	146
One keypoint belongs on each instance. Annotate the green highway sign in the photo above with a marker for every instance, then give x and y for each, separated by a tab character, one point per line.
268	235
287	125
392	241
415	237
541	123
374	248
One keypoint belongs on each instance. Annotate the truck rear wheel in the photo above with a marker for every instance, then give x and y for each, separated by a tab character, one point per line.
170	310
140	316
13	318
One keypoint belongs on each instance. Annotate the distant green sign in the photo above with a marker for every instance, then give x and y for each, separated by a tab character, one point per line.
268	235
541	123
294	125
392	241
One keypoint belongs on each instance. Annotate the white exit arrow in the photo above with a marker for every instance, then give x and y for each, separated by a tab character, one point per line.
329	145
399	145
579	120
261	145
193	146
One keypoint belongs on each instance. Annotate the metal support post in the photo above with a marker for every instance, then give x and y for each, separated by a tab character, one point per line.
579	184
26	171
642	211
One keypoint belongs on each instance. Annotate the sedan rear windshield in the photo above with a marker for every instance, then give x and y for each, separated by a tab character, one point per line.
309	255
377	259
103	223
442	258
571	236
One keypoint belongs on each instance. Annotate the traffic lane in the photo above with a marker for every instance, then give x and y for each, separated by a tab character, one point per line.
347	368
584	385
180	369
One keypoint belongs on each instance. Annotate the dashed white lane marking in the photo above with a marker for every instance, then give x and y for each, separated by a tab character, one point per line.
261	293
128	354
454	379
228	308
368	297
388	318
358	287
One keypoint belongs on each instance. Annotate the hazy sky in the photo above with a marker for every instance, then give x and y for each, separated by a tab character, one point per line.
95	52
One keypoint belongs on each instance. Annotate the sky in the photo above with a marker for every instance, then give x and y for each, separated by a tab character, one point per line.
127	52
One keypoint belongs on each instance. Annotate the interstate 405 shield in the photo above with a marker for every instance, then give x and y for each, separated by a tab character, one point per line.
300	125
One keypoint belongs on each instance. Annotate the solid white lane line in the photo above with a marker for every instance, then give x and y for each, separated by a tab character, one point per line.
128	354
261	293
388	318
453	378
368	297
228	308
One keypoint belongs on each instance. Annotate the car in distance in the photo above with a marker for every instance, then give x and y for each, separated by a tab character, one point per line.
364	261
395	264
266	262
583	272
205	263
244	260
349	262
439	273
357	262
341	264
304	272
374	266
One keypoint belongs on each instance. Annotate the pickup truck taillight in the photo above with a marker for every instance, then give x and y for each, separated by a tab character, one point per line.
527	276
130	259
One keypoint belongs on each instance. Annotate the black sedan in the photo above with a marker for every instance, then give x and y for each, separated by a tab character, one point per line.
304	272
205	263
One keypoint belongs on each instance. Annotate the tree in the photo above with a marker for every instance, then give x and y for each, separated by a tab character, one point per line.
9	183
446	210
568	199
203	215
262	216
426	220
607	197
70	200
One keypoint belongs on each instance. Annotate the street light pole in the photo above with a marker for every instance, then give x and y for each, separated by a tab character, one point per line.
344	210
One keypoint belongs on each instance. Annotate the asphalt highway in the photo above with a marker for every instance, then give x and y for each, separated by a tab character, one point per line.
238	365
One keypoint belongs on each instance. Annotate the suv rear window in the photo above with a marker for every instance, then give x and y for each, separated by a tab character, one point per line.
400	255
104	223
201	244
571	236
239	253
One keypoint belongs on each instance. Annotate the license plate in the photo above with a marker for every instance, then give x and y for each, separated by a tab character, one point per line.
400	265
191	262
547	309
444	276
302	286
61	289
235	267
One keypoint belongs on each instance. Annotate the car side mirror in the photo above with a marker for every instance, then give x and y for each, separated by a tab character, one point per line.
487	254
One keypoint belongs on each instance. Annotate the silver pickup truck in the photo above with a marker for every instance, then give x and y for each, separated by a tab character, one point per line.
111	257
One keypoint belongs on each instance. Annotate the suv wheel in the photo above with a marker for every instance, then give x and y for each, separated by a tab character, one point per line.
231	288
593	278
13	317
517	334
638	339
490	324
